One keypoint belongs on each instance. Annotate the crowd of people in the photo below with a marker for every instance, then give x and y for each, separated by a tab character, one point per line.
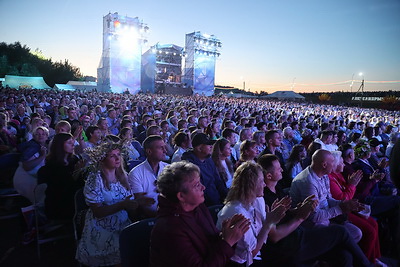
299	183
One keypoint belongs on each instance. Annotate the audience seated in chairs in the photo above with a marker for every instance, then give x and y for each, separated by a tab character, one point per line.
57	174
108	195
289	243
185	233
33	155
245	198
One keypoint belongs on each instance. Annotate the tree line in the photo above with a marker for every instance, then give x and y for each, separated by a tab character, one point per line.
16	59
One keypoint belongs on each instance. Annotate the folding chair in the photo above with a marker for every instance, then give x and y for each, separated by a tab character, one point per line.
48	232
80	214
10	200
134	243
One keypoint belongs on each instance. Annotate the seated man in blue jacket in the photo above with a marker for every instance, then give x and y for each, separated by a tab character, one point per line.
200	155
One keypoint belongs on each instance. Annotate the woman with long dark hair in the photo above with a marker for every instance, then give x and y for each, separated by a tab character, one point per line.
221	156
294	163
57	173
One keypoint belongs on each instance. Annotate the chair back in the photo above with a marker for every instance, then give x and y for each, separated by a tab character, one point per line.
134	243
214	211
8	166
80	213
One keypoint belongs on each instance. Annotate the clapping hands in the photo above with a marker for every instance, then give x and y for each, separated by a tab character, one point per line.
377	176
278	210
304	208
234	228
355	178
351	205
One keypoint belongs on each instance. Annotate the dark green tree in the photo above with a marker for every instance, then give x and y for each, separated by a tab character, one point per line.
16	59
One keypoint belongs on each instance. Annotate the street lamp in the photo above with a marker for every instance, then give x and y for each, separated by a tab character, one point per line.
351	85
361	88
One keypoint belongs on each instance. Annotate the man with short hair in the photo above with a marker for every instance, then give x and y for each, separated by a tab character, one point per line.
216	189
113	122
273	140
325	139
143	177
291	244
21	114
72	115
314	181
288	142
230	135
202	123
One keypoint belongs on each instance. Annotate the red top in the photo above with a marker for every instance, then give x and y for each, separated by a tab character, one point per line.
340	189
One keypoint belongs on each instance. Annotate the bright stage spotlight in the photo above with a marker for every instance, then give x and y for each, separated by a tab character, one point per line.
120	65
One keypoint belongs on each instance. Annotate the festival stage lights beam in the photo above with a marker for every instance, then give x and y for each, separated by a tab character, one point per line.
120	65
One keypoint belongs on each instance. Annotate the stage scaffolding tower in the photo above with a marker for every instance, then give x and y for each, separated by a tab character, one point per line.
120	65
202	50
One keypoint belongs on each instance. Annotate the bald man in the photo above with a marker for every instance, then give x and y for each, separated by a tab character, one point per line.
314	181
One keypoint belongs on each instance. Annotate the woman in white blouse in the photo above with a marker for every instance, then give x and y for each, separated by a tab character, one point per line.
245	197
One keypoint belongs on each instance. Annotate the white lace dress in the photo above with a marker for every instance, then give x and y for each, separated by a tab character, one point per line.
99	245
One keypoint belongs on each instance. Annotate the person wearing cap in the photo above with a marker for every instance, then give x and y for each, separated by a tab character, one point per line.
200	155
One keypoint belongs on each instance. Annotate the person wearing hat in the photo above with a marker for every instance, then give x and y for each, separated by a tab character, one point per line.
215	188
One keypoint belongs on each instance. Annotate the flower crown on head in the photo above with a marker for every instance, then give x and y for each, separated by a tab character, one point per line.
99	153
362	148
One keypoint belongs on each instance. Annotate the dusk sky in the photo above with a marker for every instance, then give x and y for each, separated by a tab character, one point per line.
309	45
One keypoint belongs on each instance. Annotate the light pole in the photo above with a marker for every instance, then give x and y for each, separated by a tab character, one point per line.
351	85
293	84
361	89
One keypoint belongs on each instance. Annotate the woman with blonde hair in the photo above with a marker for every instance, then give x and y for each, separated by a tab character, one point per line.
107	193
245	197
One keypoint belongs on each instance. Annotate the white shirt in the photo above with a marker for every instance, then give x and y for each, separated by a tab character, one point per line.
142	180
323	145
178	154
257	215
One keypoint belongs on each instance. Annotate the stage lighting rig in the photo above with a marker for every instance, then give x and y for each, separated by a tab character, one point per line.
120	65
201	51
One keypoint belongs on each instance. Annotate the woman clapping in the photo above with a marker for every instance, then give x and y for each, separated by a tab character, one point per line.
245	198
185	234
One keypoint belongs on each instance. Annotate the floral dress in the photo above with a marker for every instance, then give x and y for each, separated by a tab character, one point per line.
99	245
